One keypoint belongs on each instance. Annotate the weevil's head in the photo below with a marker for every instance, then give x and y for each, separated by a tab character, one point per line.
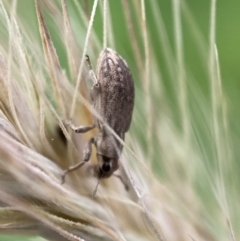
108	152
106	166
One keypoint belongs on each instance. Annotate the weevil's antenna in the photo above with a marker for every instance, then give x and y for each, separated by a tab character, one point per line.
96	188
123	182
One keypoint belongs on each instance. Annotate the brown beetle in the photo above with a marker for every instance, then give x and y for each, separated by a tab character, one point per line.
113	99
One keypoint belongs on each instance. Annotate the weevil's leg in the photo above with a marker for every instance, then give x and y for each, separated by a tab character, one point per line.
91	73
81	129
88	62
86	157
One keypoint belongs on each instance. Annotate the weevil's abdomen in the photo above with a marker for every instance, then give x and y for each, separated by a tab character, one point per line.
116	91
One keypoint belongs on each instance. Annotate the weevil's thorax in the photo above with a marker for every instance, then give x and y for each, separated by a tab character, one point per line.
108	146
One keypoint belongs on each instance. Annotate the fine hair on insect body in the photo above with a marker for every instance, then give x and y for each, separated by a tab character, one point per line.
112	95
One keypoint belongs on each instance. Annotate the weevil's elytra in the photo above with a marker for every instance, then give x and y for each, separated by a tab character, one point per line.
116	91
113	99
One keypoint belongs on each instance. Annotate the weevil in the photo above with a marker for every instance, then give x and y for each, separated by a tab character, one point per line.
112	95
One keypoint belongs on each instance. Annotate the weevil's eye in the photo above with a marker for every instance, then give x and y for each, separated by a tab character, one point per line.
106	167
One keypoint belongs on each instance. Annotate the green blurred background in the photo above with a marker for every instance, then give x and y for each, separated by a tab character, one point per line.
227	39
